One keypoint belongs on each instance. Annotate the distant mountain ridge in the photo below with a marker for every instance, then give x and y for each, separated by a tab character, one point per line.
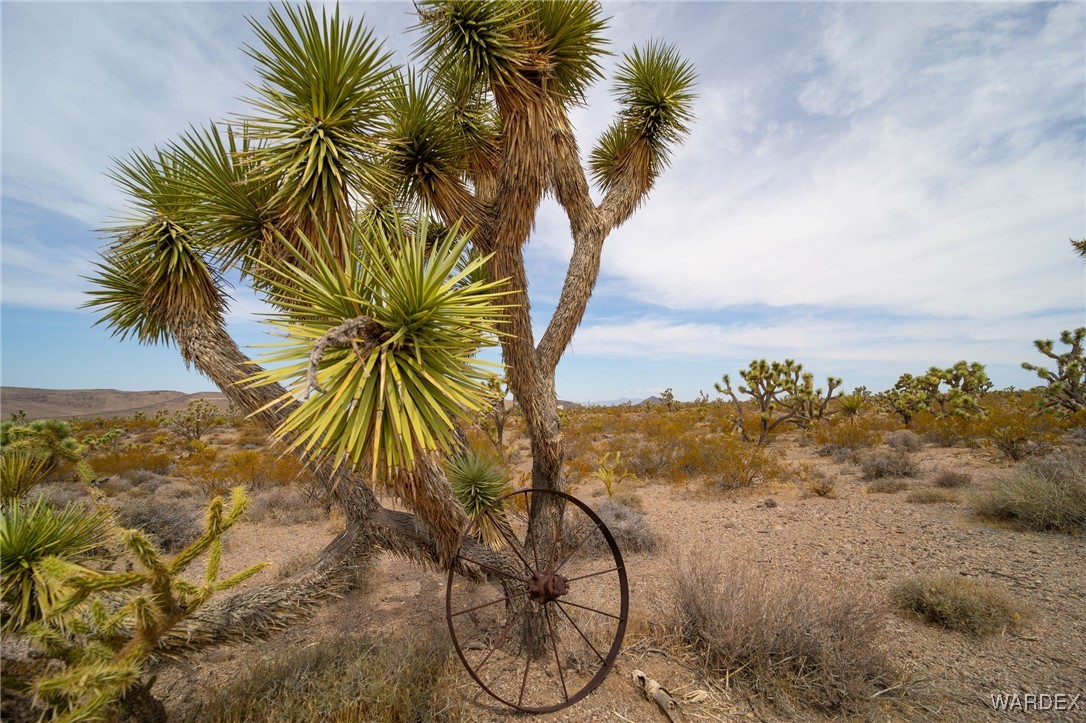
87	403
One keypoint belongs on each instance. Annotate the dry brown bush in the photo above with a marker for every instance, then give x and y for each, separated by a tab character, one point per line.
948	479
905	440
283	504
784	636
171	523
886	485
628	526
813	482
892	463
1041	493
929	496
131	459
393	678
844	435
959	603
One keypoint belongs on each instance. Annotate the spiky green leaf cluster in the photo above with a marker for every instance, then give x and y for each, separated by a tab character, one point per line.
401	390
30	535
319	108
157	273
20	472
478	482
654	87
551	47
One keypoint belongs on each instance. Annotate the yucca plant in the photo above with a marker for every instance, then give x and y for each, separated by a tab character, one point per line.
33	537
333	137
48	439
382	351
20	472
478	482
611	473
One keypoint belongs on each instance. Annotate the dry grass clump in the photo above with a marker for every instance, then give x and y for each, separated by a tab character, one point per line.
893	463
399	678
959	603
1043	493
948	479
904	440
171	523
929	496
886	486
286	505
627	525
786	637
813	482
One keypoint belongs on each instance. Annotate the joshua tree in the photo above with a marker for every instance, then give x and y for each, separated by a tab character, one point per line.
326	188
783	394
1065	392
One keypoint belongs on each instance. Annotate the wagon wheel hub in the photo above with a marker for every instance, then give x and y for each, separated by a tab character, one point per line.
547	586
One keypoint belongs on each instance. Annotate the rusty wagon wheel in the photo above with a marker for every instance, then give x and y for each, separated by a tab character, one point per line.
544	629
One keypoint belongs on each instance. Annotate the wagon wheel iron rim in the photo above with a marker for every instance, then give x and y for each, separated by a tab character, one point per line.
571	588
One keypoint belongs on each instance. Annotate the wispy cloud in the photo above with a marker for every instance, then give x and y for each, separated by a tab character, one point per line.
925	158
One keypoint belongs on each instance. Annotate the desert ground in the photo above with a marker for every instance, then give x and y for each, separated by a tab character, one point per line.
817	522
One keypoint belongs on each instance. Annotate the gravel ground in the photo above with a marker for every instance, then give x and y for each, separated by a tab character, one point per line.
860	542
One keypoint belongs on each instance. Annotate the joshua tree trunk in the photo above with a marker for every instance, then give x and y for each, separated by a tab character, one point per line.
430	537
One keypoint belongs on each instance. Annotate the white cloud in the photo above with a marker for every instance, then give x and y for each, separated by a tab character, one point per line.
942	185
906	343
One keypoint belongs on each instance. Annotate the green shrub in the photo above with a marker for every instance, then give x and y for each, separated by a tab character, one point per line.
1042	493
405	677
785	637
33	536
959	603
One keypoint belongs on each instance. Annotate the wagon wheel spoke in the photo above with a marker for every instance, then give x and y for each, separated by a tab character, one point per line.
563	618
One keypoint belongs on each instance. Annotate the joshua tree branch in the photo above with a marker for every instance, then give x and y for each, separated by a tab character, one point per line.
590	226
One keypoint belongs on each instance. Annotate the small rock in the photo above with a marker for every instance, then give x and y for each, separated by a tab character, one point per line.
770	502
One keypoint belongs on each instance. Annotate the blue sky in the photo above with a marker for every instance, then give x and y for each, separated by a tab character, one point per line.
870	188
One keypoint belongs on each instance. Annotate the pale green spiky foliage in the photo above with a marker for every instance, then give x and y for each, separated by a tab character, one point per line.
1065	390
32	534
156	275
50	440
611	473
654	88
478	482
408	375
319	110
20	472
103	625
